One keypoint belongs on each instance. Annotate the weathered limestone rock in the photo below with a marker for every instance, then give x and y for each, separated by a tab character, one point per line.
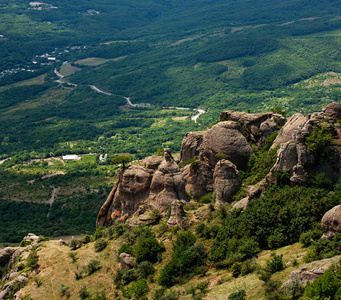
331	222
226	138
311	271
5	255
190	145
167	184
257	127
31	238
199	179
286	132
226	181
127	262
177	214
333	111
241	204
156	181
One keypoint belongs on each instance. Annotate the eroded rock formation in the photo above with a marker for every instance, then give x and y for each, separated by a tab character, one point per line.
331	222
156	182
226	181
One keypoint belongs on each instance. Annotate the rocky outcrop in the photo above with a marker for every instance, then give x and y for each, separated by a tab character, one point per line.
225	137
191	145
331	222
332	111
286	132
5	255
178	214
199	179
257	127
127	262
311	271
226	181
156	182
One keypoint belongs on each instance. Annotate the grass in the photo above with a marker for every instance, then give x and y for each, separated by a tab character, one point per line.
96	61
36	80
68	69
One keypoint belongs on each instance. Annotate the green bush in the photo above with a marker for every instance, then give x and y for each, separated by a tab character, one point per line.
308	237
148	249
145	269
318	141
86	239
83	293
64	291
92	267
139	288
100	245
323	248
236	269
207	199
129	276
75	244
126	249
282	178
275	264
32	260
327	286
24	243
240	295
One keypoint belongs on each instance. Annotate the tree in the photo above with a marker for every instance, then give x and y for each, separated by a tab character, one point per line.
121	159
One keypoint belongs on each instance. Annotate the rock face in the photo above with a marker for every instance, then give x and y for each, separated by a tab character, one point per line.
333	111
331	222
225	137
286	132
226	181
199	179
257	127
177	214
127	262
156	182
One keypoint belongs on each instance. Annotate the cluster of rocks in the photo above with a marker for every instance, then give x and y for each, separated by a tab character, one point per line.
15	258
212	160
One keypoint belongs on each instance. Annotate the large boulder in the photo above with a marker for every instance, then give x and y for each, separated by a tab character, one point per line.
199	179
333	111
226	181
331	222
286	132
156	182
127	261
228	139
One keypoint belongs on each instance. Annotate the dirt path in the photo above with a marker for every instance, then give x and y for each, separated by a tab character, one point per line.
53	197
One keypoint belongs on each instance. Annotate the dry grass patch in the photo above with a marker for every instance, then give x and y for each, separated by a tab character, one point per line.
96	61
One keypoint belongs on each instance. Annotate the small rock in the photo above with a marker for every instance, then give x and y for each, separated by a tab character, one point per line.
127	262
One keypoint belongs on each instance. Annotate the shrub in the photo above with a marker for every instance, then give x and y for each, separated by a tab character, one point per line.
139	288
236	269
323	248
148	249
100	245
206	199
155	216
64	291
38	281
326	286
24	243
249	266
86	239
32	260
282	178
308	237
118	229
318	141
83	293
99	232
118	278
159	293
276	264
75	244
239	295
92	267
43	239
129	276
145	269
126	249
73	256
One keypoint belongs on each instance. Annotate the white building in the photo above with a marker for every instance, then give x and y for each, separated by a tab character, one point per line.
71	157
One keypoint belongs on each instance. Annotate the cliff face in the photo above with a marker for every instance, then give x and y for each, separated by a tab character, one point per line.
213	158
